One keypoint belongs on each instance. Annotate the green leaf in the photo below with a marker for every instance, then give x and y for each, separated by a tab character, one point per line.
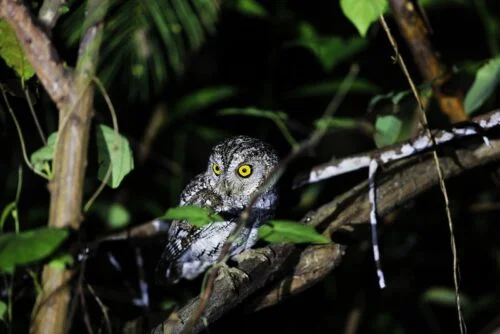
330	87
284	231
41	157
251	8
63	9
29	246
362	13
388	129
3	310
196	215
329	50
443	296
253	112
487	78
204	98
118	216
62	261
396	98
12	53
114	150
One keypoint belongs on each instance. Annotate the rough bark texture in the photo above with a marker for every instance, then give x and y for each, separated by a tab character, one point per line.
55	77
397	185
314	264
73	96
432	68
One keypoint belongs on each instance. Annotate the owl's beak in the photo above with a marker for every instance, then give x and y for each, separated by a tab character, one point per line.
226	188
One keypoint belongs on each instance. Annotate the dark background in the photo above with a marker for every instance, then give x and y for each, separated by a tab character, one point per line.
250	54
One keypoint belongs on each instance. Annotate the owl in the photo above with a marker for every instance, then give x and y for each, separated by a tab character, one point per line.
235	171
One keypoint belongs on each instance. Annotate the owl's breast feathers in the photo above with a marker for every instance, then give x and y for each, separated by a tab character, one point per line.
191	250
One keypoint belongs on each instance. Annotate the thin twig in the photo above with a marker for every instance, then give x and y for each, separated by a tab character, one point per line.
116	145
20	134
86	317
286	133
73	304
30	105
442	185
102	307
36	282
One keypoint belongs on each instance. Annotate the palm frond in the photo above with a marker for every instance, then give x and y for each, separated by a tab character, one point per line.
147	41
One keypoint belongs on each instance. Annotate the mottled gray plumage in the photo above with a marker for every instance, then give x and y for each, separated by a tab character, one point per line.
190	250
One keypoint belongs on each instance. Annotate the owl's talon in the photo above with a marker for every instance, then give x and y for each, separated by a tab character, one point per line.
262	254
233	275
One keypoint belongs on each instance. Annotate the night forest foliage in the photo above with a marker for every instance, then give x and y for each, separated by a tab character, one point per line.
184	75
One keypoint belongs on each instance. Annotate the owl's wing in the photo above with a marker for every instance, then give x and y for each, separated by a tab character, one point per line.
182	236
191	254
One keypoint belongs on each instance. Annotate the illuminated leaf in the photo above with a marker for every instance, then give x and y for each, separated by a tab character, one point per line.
329	50
284	231
118	154
251	8
388	129
487	78
12	53
362	13
196	215
29	246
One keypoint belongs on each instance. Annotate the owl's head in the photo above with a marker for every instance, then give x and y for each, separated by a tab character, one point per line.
239	165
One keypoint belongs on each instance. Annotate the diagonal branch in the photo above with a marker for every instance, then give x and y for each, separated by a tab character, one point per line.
413	146
416	33
55	77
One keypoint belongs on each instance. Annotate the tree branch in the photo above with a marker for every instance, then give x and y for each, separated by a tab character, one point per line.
396	186
55	77
314	264
432	68
424	142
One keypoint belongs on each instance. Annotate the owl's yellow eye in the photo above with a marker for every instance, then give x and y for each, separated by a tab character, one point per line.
245	170
216	169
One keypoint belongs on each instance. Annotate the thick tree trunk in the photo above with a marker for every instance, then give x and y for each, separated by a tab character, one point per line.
73	94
